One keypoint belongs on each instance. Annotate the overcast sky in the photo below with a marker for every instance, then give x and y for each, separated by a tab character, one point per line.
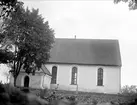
95	20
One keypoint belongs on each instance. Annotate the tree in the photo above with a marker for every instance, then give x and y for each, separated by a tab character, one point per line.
7	6
26	41
132	3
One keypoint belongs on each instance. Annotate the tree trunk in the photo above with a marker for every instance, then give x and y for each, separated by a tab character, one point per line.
15	78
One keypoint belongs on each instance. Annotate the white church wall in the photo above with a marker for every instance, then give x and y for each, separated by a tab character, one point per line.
87	78
35	81
46	79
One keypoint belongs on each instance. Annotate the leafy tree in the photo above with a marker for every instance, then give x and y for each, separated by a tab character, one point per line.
26	41
132	4
7	6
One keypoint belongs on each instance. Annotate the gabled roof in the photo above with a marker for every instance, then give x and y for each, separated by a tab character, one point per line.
42	70
45	70
86	51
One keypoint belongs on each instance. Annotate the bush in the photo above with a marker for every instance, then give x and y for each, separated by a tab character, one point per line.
12	96
90	98
129	90
94	102
43	92
63	97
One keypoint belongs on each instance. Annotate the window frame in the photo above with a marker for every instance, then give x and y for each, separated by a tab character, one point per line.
54	79
100	76
74	75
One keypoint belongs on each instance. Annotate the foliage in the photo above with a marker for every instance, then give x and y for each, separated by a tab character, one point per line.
61	97
43	92
13	96
87	97
9	95
8	6
94	98
6	56
26	40
129	90
132	4
94	102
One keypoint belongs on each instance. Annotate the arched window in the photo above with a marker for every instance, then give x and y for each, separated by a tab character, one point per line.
26	81
100	77
74	76
54	75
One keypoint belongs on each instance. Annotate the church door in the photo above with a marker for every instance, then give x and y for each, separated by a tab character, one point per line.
26	81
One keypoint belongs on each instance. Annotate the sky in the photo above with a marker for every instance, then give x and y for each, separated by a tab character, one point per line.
95	19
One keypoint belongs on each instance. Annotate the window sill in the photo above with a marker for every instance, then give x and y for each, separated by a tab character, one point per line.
100	85
74	84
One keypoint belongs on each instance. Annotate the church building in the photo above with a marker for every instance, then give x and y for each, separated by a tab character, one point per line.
89	65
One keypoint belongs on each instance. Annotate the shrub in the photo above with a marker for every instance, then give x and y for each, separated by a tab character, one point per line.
43	92
12	96
129	90
94	102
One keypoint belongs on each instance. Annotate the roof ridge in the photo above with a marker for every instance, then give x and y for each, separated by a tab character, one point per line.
84	39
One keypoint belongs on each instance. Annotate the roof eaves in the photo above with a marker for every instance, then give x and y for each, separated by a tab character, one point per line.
84	64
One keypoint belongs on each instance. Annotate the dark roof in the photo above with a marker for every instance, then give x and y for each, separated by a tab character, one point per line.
86	51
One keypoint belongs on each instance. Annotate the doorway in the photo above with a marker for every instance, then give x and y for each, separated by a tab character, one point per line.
26	81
